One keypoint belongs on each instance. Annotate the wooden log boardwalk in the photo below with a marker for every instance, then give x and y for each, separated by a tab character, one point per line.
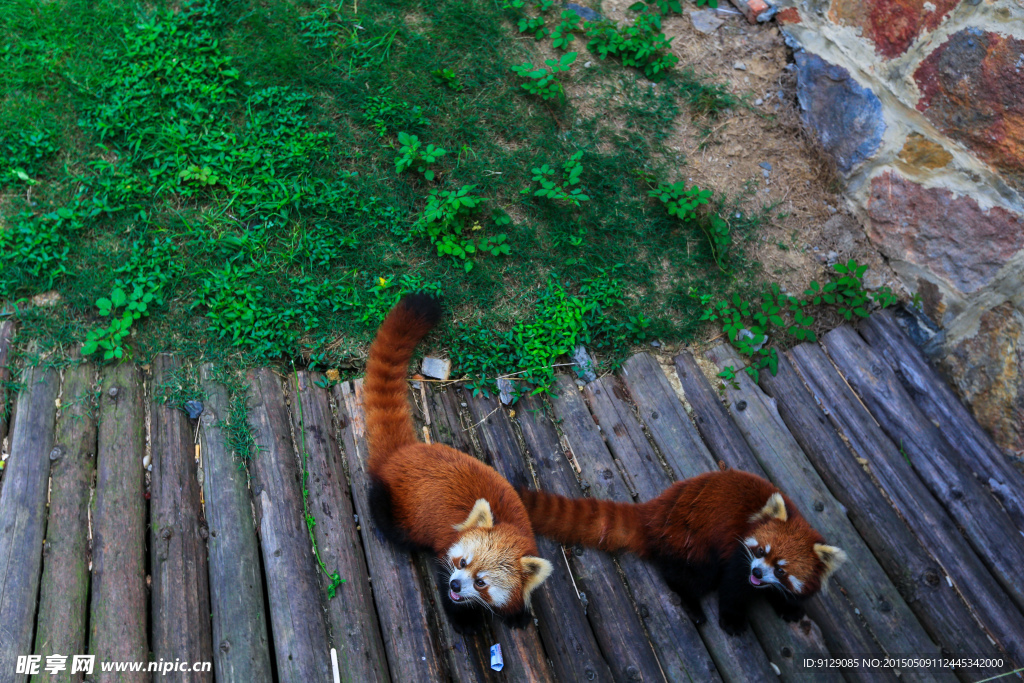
242	541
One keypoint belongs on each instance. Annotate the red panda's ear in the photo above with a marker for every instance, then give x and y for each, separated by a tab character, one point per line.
775	508
831	556
480	516
535	570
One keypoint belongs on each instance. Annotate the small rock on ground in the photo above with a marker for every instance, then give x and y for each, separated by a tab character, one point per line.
438	368
705	20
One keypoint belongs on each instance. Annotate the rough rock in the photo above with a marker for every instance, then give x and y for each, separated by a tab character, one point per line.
584	13
952	237
846	116
438	368
988	372
584	364
705	20
921	153
891	25
972	89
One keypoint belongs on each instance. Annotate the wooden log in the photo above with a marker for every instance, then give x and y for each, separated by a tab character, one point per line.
64	591
843	635
986	525
594	578
118	614
177	542
241	650
468	654
6	333
941	406
867	588
23	516
910	566
500	448
353	619
301	648
397	591
929	520
738	658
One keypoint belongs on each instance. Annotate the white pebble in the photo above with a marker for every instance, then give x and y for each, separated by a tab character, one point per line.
146	460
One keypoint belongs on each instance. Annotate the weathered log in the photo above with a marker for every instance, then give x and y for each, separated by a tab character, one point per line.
737	658
397	591
180	590
905	559
844	633
241	646
986	525
353	619
468	654
118	614
6	333
595	579
64	591
867	589
940	405
929	520
296	616
23	516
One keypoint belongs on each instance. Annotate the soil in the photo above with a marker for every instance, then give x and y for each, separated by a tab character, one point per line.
812	225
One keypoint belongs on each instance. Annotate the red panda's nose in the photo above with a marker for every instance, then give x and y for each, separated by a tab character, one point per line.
455	585
756	571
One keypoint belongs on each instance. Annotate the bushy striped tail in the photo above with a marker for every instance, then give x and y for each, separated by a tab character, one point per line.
389	423
601	524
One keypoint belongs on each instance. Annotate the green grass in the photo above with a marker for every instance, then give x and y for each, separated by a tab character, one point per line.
218	179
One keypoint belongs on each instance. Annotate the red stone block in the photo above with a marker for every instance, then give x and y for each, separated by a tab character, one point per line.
751	8
790	15
892	25
950	236
971	88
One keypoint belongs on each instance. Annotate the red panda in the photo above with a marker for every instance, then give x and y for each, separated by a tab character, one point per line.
437	498
729	530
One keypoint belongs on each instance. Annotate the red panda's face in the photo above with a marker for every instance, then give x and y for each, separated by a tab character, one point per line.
786	553
488	564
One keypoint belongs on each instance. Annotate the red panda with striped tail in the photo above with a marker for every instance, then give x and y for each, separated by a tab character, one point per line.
729	530
434	497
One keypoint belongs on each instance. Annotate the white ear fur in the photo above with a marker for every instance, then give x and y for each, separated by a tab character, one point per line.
535	570
775	508
480	516
831	556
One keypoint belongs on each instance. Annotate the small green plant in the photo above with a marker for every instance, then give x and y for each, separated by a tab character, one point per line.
448	220
641	45
563	33
683	202
385	114
33	252
542	81
319	28
534	25
847	293
23	154
412	154
448	78
550	189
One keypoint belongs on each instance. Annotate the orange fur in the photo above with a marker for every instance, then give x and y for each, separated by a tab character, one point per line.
432	489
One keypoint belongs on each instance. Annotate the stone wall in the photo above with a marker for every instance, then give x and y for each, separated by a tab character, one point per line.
922	106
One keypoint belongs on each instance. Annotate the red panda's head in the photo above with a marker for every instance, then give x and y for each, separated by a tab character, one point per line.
489	564
786	552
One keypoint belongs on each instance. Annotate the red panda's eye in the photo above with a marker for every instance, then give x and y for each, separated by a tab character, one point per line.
759	552
480	583
780	572
462	562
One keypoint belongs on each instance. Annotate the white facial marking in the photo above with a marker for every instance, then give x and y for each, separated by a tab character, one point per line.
499	596
782	563
750	542
796	583
767	549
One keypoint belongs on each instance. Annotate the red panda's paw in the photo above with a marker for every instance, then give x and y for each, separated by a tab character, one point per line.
732	624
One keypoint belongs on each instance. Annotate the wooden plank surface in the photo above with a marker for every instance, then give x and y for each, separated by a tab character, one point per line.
616	625
844	633
940	405
568	638
6	333
929	520
353	620
64	591
180	593
241	651
301	648
736	656
913	570
118	614
867	588
23	515
397	591
986	525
